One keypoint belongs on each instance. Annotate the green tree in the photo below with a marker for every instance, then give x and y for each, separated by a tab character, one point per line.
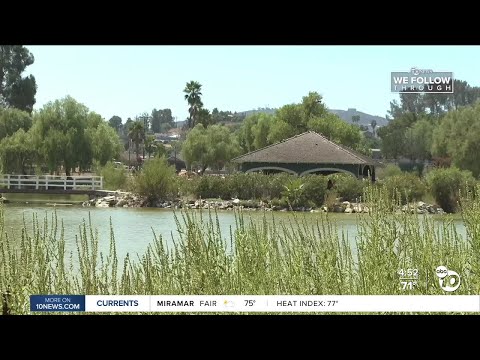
114	178
128	124
17	153
176	146
162	120
161	150
156	180
204	117
393	135
150	145
261	131
213	146
16	91
193	95
216	116
12	120
245	134
355	119
418	140
458	137
59	132
313	106
225	146
393	142
105	143
293	115
337	130
136	134
115	122
446	185
278	130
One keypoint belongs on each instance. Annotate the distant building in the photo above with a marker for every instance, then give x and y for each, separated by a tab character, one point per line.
166	138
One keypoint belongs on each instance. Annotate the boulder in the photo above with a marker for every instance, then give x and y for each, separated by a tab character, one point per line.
236	201
121	202
348	210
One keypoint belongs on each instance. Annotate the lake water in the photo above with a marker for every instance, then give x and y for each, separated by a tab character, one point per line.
134	227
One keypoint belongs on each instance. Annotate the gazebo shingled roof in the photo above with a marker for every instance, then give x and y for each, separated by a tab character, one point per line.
307	148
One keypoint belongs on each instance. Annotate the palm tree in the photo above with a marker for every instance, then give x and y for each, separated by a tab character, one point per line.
136	134
373	124
192	95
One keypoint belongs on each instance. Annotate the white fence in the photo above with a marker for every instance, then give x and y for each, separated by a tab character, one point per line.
46	182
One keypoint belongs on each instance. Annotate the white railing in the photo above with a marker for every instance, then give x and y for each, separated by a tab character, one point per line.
46	182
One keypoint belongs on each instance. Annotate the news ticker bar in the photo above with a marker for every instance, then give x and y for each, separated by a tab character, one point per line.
255	303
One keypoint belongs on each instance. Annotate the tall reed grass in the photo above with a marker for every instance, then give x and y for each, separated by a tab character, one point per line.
269	257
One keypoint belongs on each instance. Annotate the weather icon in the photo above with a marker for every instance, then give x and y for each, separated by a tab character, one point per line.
228	303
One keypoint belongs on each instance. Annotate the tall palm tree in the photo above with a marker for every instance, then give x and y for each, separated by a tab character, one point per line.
136	133
373	124
192	95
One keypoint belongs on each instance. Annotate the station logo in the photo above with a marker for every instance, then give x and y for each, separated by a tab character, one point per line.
453	278
422	81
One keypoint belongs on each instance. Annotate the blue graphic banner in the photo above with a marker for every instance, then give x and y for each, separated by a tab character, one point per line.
57	302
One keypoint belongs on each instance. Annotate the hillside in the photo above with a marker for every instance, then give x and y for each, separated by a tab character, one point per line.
258	111
365	119
346	115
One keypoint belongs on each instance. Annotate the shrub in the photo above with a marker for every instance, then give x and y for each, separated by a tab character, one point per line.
156	181
293	193
276	184
446	185
348	187
279	203
315	189
405	187
213	187
242	186
390	170
113	178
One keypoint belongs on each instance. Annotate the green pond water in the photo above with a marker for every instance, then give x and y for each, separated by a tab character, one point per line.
134	227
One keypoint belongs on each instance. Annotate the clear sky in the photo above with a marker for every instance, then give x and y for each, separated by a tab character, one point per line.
129	80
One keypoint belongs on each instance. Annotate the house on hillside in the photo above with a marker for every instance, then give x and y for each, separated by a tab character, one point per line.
166	138
308	153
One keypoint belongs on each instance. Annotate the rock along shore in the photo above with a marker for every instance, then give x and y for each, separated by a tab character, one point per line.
127	199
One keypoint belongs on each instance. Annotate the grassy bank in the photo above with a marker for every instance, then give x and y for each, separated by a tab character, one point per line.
270	258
